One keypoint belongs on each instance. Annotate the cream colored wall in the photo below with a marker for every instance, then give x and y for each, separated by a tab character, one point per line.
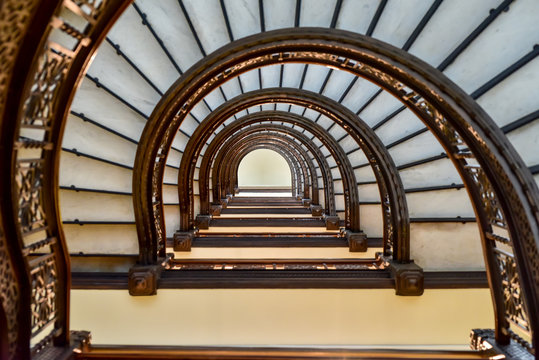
281	316
264	168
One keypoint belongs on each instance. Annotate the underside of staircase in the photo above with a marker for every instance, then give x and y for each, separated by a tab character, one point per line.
261	179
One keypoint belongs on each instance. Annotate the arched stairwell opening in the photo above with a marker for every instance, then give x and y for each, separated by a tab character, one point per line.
276	176
265	213
76	152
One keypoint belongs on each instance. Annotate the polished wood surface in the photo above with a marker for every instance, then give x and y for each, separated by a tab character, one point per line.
141	352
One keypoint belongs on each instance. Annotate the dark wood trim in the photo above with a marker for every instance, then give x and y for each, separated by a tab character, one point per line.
286	242
43	77
385	171
99	280
443	219
455	280
249	199
277	240
124	352
264	190
291	222
256	202
496	178
252	141
274	211
275	202
280	279
239	138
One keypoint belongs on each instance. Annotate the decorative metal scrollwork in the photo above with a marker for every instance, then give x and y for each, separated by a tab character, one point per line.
29	180
38	108
43	280
502	191
490	202
9	294
388	228
514	306
40	98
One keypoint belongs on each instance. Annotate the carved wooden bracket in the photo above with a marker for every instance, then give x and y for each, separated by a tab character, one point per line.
332	222
306	202
357	241
203	221
183	240
317	210
144	279
409	278
215	209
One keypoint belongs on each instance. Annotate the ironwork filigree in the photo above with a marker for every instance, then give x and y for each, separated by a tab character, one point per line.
505	196
15	19
276	265
38	108
9	294
514	305
43	281
32	119
488	196
29	180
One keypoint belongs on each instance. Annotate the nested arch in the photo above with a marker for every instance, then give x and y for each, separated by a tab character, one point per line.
501	188
283	140
524	195
230	108
329	193
216	146
224	184
286	151
299	169
308	181
395	212
348	177
220	186
351	217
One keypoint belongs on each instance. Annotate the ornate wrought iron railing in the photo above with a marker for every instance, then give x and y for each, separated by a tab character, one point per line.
501	188
42	56
45	46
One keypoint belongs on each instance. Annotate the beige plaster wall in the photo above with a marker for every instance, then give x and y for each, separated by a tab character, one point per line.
281	316
264	168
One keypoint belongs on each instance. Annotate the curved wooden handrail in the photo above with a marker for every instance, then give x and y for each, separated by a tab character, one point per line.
44	73
502	189
396	221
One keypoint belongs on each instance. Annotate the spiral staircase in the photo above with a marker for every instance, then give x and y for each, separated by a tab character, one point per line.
322	268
